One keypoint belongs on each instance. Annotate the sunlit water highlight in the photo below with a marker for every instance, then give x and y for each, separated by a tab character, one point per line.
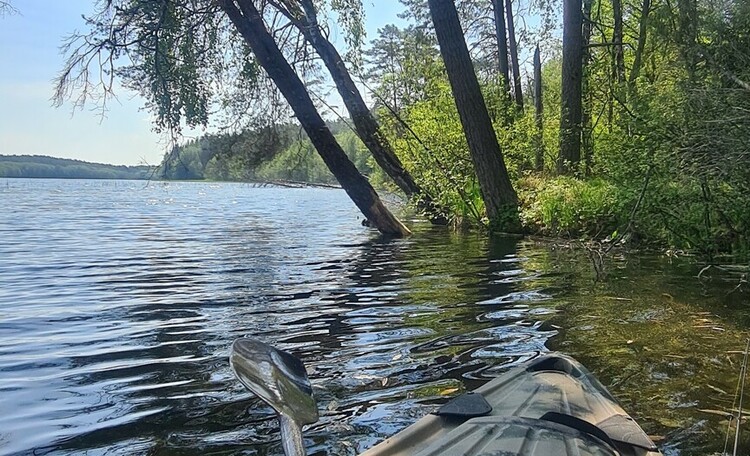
119	301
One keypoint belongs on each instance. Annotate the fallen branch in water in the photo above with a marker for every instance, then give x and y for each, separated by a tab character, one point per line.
291	184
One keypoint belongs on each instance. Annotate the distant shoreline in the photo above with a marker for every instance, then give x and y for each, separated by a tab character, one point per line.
259	184
43	166
91	178
46	167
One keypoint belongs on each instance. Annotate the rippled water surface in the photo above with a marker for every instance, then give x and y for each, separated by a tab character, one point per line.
119	301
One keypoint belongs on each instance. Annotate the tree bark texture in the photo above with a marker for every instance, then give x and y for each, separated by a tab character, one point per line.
635	71
618	53
513	47
248	21
572	73
538	111
687	34
496	188
365	124
587	137
502	43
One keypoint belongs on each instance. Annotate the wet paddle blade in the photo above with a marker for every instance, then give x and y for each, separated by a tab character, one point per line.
277	377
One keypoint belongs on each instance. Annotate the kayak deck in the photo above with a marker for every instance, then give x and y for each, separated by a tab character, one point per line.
548	406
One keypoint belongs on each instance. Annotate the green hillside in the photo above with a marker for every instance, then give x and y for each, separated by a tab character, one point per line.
41	166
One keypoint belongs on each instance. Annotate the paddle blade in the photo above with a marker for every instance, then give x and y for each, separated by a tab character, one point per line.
277	377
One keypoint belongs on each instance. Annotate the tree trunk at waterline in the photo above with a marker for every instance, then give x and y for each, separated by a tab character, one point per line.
497	191
572	76
248	21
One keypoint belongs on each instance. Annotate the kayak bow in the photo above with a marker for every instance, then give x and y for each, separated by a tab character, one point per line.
550	405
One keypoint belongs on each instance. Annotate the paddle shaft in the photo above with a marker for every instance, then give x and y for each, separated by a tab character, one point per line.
291	436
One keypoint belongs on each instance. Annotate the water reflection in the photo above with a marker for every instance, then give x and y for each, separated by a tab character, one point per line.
119	302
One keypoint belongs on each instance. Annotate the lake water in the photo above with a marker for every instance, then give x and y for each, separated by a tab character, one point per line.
119	302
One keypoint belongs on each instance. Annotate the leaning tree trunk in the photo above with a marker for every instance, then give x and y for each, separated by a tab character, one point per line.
364	122
517	89
248	21
539	111
497	191
502	46
572	73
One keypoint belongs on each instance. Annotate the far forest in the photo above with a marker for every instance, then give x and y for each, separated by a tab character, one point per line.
42	166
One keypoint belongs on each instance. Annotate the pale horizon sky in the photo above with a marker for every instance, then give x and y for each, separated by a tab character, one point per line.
29	62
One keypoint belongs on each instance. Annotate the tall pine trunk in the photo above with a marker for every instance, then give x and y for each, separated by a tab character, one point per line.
618	53
587	136
517	88
635	71
365	124
248	21
572	74
497	191
539	111
502	44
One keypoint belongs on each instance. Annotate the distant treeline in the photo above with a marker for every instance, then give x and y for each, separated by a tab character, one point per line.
41	166
270	153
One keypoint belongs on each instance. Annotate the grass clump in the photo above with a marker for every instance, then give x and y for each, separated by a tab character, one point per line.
565	206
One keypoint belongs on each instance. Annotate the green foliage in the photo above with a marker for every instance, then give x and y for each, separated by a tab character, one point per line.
665	151
278	153
568	206
227	156
438	155
183	163
351	16
300	163
697	215
402	63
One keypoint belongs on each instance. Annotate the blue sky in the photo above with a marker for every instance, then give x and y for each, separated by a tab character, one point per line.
30	60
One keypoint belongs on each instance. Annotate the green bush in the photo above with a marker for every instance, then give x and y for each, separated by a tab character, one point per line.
438	156
571	207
